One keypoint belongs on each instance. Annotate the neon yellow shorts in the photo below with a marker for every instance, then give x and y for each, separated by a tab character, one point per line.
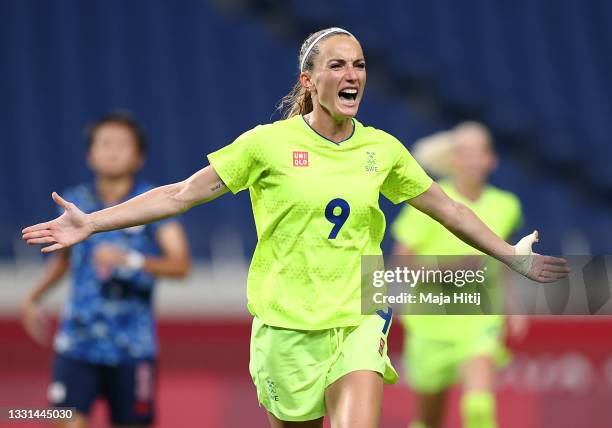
433	364
292	368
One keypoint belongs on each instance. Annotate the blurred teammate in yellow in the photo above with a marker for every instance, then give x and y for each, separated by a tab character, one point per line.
441	350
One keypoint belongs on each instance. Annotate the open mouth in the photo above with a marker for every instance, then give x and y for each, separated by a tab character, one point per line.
348	94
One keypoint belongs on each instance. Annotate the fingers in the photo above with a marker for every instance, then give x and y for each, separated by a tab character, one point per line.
46	225
548	269
556	268
45	240
553	276
555	260
60	201
544	269
555	264
39	237
36	227
36	234
546	279
550	276
51	248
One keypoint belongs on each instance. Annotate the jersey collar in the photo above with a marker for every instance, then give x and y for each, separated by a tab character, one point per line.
327	139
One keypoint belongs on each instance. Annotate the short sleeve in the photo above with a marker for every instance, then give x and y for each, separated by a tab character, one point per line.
240	163
412	228
406	179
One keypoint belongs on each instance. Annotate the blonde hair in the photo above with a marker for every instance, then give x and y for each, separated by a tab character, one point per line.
435	152
475	127
298	100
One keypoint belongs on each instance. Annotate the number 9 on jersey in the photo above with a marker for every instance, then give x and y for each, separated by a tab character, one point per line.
337	217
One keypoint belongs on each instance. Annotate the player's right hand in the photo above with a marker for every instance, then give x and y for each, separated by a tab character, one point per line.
35	323
68	229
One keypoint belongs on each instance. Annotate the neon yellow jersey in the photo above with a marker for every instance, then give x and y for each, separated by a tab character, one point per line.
315	205
498	209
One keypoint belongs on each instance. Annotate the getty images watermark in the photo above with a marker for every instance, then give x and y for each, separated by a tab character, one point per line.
409	277
472	285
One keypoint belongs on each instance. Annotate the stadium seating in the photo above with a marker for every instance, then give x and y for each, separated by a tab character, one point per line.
538	74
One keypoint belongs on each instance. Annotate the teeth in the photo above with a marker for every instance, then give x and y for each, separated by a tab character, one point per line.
350	91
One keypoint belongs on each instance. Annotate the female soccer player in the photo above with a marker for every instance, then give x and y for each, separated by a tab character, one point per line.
441	350
106	344
314	180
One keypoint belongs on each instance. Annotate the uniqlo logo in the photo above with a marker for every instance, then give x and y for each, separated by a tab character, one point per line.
300	158
381	346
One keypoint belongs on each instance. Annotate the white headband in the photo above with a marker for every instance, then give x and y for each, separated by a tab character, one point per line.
319	37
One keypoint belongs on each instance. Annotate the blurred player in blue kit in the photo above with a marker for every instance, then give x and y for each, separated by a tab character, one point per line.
106	342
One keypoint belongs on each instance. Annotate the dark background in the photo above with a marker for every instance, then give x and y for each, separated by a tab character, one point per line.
198	73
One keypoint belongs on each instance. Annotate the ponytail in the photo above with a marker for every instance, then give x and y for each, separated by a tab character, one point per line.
296	102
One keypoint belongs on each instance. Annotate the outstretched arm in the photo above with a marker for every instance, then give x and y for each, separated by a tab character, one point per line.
165	201
463	223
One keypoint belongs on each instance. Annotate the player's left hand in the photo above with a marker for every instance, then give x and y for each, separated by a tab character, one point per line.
536	266
106	258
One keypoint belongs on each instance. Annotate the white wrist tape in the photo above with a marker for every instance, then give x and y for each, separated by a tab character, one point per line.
134	260
524	253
